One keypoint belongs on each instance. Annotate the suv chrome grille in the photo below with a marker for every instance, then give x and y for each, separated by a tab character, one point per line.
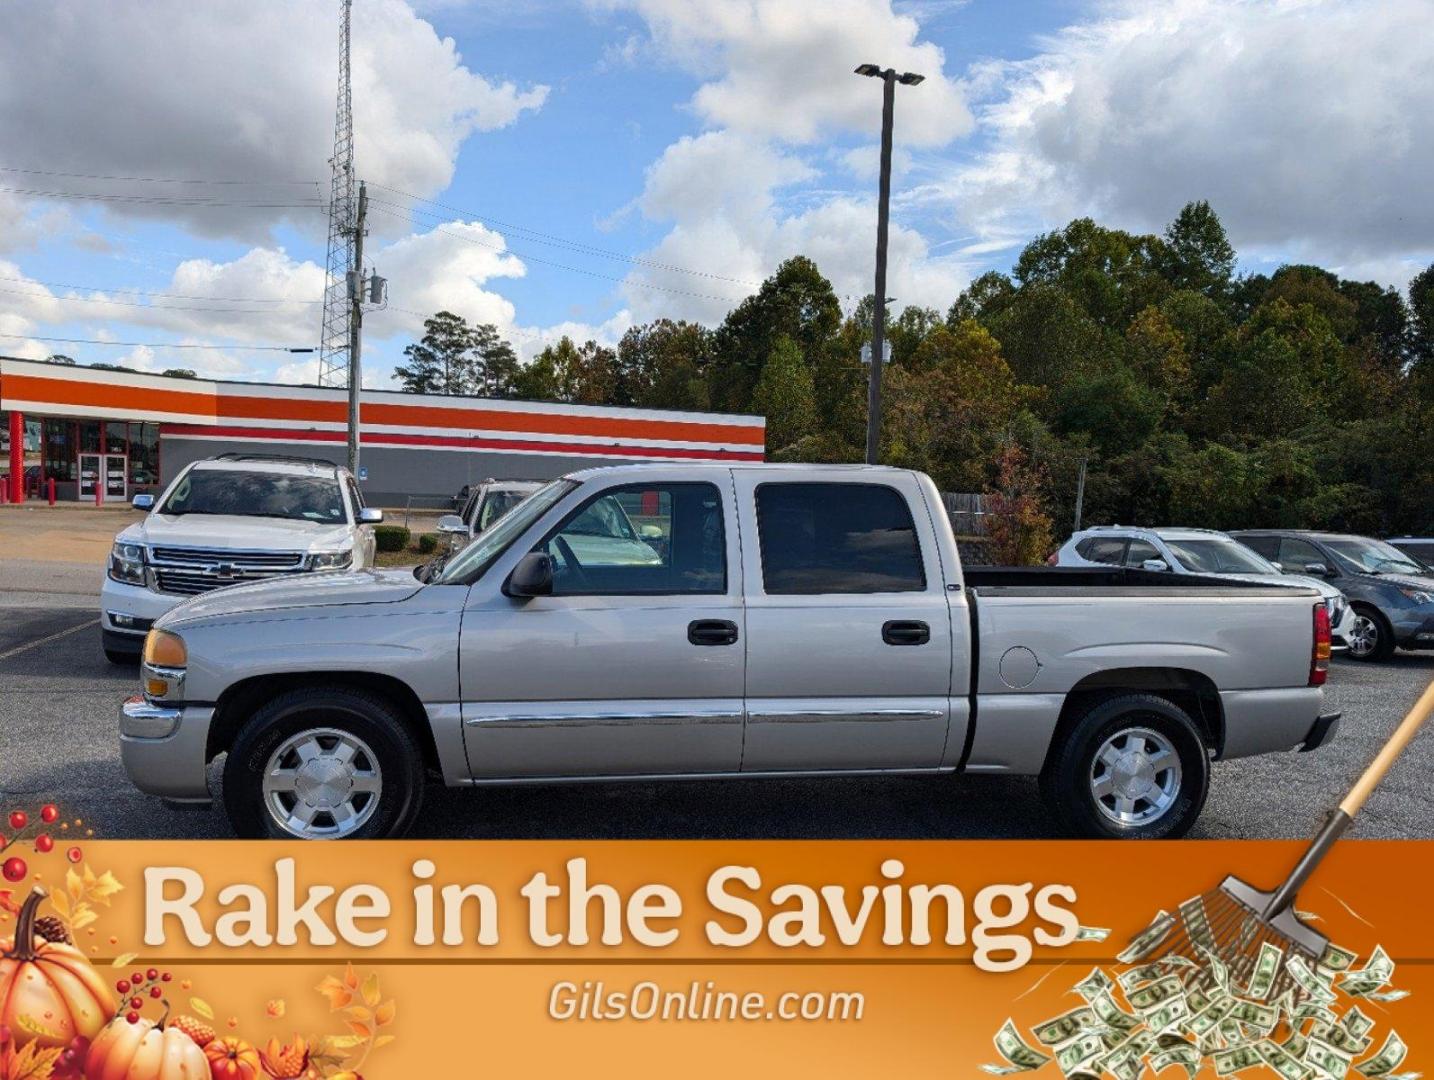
189	571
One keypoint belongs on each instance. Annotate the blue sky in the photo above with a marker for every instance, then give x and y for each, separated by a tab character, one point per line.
575	167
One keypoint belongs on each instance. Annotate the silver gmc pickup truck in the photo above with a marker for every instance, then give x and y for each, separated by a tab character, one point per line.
707	620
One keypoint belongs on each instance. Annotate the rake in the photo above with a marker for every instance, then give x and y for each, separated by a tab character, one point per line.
1234	921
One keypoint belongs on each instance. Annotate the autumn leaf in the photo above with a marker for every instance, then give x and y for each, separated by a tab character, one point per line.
84	915
74	885
371	993
351	979
340	1042
359	1013
123	960
61	903
337	993
276	1008
33	1063
363	1031
202	1007
383	1015
383	1040
7	902
103	888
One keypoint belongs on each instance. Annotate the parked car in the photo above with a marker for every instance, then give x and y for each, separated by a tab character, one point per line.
461	499
483	506
1419	548
226	520
1392	595
800	620
1197	551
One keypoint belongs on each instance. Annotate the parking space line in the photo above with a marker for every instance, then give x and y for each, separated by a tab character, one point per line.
18	649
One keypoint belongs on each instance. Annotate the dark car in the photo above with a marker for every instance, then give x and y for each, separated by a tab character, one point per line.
1391	592
462	497
1420	548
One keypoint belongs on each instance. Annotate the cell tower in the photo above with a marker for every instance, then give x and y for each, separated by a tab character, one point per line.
334	341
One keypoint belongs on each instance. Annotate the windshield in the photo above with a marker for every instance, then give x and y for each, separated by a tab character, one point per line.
1218	557
473	561
257	494
497	505
1373	557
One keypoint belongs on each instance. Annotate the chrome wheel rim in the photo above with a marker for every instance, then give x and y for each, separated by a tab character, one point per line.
1364	638
322	784
1135	777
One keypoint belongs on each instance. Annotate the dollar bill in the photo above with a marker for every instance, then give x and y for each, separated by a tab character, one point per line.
1197	922
1387	995
1065	1027
1374	975
1094	984
1168	1015
1219	973
1267	966
1081	1051
1021	1056
1185	1056
1355	1022
1257	1015
1391	1055
1327	1059
1236	1059
1112	1015
1340	1038
1149	939
1313	1010
1144	973
1208	1019
1197	998
1146	998
1336	959
1282	1061
1308	981
1296	1044
1092	933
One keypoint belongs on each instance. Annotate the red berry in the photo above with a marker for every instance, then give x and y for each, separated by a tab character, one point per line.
136	1003
132	1017
15	869
49	813
74	854
165	977
122	986
152	974
19	819
155	991
137	978
43	844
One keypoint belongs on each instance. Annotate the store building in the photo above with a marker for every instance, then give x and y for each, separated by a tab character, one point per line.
124	432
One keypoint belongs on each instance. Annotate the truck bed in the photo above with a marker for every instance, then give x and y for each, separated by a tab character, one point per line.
990	579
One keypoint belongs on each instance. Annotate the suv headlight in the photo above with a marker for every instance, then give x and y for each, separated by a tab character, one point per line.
1418	596
127	563
331	560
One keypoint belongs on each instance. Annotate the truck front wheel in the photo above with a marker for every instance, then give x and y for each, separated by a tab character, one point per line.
1131	767
323	763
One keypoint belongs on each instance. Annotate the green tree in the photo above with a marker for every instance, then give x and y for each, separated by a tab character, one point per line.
179	373
444	361
1197	254
785	396
60	358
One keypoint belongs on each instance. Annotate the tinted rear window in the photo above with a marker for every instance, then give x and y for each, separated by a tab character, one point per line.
1102	549
837	538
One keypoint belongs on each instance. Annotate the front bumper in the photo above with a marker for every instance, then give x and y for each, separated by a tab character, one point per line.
1414	629
137	607
163	748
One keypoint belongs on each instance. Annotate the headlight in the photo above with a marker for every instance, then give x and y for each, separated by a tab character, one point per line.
127	563
331	560
164	649
1418	596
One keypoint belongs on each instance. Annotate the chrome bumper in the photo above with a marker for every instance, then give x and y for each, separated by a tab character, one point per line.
163	748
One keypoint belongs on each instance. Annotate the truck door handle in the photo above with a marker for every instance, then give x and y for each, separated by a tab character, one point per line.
712	632
903	632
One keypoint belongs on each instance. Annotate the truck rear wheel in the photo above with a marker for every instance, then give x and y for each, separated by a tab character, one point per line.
1132	767
324	763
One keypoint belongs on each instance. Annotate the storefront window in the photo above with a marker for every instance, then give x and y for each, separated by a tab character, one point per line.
143	455
59	455
89	437
116	437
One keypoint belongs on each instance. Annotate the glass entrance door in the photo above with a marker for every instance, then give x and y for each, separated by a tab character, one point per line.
107	473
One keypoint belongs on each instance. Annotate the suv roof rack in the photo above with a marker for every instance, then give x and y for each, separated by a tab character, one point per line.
289	459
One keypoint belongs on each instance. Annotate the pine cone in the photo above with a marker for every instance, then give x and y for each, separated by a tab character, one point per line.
52	929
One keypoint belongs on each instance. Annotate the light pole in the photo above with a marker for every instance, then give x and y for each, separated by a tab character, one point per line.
889	78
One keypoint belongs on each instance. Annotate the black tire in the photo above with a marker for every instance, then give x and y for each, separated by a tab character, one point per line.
121	659
1383	646
1066	781
369	717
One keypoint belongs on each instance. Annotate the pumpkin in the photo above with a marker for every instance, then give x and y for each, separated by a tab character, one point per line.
49	993
233	1059
144	1050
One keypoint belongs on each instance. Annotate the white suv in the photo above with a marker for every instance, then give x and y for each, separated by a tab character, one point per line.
228	520
1196	551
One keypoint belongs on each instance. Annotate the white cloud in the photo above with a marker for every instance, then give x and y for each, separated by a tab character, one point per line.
1306	123
783	70
231	89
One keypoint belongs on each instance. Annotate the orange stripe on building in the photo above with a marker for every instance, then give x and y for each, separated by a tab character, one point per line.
102	395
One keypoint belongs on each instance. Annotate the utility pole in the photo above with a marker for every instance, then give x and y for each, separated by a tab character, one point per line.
889	78
356	294
1080	491
334	335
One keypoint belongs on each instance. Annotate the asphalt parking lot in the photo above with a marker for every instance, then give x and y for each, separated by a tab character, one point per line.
58	698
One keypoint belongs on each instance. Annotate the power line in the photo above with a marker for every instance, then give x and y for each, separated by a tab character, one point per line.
145	307
158	344
148	292
157	179
504	249
160	200
558	241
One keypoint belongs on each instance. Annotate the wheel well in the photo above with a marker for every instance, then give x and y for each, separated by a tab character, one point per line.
1189	690
241	700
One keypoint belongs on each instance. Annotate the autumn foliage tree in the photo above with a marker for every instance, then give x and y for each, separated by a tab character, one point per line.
1016	521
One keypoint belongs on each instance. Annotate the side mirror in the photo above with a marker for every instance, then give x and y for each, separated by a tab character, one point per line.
142	502
451	523
533	576
1278	566
650	532
370	515
1318	569
1156	565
